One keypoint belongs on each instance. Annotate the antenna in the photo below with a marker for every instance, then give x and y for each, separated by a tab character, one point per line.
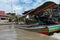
12	10
11	7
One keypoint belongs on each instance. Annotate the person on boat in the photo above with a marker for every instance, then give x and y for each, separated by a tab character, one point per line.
27	19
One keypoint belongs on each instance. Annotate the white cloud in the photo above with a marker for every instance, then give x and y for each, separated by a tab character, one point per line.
38	3
8	1
26	1
56	1
17	8
5	5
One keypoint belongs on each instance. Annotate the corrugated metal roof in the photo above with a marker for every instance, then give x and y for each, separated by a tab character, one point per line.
44	6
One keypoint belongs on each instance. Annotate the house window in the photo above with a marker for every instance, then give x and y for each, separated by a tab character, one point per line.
3	18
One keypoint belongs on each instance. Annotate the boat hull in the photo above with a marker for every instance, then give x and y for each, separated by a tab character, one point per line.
48	30
40	30
54	29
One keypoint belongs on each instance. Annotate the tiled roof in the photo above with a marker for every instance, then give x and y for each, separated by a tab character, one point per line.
2	13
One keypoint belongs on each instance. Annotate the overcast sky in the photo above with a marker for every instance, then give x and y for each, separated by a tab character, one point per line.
22	5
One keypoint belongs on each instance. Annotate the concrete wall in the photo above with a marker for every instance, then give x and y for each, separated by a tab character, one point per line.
3	21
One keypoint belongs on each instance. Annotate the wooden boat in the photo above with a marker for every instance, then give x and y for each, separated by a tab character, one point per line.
44	29
53	28
44	20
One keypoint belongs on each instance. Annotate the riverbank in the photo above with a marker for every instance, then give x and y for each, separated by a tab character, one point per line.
8	23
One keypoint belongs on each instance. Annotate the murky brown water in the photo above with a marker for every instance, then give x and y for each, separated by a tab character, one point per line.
8	32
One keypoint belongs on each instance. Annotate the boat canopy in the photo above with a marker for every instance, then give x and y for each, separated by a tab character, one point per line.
43	7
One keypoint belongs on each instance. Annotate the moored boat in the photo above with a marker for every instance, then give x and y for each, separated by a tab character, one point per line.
46	16
48	30
53	29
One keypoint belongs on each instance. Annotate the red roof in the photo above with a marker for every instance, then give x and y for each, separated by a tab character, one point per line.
2	13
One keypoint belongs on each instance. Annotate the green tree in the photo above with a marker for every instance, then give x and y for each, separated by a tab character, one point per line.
13	16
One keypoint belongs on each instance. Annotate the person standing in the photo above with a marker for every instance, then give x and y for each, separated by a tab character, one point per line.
27	19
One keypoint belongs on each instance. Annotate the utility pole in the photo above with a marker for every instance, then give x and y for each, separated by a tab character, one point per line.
11	7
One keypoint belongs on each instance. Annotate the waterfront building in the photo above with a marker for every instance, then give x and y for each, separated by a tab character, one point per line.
4	18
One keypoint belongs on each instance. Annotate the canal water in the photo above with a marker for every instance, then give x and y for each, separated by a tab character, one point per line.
9	32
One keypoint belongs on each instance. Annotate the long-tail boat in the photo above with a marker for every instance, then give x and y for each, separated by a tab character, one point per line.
44	29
